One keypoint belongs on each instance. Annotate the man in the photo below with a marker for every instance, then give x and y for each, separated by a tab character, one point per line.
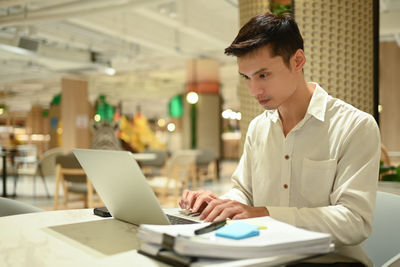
309	160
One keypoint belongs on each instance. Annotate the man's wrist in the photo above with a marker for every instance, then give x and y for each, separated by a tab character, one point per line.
262	211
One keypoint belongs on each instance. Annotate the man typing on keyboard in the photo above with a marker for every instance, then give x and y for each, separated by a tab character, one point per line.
309	159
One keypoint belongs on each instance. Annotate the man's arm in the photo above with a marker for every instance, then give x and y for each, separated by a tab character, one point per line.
241	178
241	191
238	202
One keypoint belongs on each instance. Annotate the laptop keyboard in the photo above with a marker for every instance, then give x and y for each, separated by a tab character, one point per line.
178	220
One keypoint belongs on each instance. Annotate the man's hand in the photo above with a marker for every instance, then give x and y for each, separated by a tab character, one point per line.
196	200
219	209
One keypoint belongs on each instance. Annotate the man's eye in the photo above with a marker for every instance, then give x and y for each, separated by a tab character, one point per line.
263	76
246	77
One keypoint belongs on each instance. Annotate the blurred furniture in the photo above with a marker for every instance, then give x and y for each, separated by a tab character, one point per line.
8	167
73	179
179	171
25	160
207	166
152	167
383	243
45	167
385	158
393	262
12	207
27	156
230	145
144	157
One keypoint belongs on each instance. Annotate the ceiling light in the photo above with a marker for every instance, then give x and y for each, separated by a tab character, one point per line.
226	113
97	118
171	127
161	122
110	71
192	98
229	114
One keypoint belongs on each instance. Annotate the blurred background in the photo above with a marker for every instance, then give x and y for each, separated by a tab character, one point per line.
151	77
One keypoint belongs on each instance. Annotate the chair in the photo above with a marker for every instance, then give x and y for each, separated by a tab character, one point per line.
154	167
384	241
26	155
73	179
393	262
44	168
180	169
385	159
206	166
12	207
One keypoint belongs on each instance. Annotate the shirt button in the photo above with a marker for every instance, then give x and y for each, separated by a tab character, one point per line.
286	156
285	186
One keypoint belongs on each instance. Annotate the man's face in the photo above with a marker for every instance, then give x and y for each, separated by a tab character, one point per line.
269	80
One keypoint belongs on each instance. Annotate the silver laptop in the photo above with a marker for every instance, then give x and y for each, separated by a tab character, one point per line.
119	181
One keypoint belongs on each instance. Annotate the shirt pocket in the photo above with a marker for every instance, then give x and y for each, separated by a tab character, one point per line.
317	181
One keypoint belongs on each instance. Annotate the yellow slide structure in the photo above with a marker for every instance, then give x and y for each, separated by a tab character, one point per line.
139	134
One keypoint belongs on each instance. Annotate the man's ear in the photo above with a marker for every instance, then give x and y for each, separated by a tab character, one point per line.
298	60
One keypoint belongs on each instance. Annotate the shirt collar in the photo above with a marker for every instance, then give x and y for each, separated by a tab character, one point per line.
273	114
316	108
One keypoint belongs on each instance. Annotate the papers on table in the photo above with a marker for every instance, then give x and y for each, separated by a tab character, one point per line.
278	239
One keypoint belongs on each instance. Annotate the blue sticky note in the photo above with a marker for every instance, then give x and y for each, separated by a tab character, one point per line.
237	230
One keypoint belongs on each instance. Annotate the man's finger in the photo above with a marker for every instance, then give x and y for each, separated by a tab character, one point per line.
217	210
202	199
229	212
185	196
209	208
191	197
214	204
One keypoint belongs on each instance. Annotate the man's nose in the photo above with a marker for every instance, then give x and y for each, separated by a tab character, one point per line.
255	88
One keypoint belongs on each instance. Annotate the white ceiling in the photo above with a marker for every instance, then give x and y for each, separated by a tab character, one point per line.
146	41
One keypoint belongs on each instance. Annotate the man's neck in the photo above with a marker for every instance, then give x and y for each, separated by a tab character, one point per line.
294	109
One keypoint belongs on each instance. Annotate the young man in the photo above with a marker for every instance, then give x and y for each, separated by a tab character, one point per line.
309	160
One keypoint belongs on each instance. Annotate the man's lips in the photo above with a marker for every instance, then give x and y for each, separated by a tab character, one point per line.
263	101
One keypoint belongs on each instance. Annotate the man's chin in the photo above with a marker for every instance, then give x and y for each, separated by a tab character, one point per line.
269	107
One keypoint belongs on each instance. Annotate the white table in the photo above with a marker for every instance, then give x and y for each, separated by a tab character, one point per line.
80	238
144	156
69	238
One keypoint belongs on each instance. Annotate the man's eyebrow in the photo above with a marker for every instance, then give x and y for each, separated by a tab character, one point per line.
256	72
260	70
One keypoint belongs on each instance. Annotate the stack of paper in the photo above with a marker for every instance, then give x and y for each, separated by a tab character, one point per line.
277	239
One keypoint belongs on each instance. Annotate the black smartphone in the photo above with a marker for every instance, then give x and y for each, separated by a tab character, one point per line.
102	212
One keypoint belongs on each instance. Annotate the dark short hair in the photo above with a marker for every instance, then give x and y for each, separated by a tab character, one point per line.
280	32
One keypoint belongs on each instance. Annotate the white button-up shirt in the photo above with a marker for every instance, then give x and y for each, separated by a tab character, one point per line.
322	176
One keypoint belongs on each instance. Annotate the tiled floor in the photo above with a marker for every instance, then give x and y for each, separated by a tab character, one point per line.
25	189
